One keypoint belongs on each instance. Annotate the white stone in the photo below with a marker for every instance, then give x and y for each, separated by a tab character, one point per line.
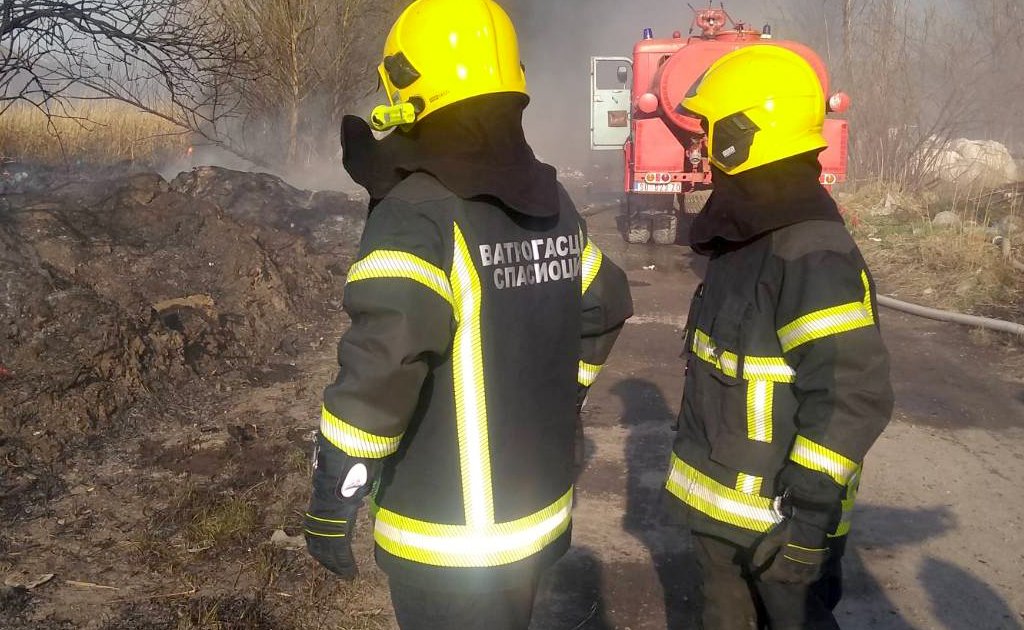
976	163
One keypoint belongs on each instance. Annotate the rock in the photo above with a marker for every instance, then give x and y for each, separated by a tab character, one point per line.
283	540
974	163
946	219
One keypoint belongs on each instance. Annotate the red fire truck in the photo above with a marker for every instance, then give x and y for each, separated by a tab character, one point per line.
666	160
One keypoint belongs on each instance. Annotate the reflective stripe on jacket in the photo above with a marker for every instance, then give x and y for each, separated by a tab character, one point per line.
472	329
785	368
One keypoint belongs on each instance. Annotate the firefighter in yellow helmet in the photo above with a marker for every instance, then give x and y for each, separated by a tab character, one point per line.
481	313
787	381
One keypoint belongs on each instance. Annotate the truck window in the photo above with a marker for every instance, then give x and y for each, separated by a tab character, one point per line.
608	75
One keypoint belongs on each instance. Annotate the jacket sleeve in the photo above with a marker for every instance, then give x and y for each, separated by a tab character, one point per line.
607	304
828	329
399	299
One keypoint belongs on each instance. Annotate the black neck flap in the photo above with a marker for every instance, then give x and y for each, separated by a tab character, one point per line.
476	148
746	206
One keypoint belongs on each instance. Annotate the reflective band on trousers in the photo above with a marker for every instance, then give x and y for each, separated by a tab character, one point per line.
592	258
588	373
392	264
470	395
465	546
773	369
354	441
829	321
720	502
812	455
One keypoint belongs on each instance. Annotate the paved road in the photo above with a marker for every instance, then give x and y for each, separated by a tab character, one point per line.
938	539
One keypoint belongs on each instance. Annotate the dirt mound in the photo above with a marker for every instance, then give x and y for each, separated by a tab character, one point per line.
121	297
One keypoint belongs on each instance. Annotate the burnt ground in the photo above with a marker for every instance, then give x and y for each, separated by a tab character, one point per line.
164	345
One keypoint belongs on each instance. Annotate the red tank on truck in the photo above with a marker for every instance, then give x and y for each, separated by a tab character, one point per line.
634	110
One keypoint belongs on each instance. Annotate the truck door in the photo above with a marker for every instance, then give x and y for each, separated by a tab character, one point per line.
610	102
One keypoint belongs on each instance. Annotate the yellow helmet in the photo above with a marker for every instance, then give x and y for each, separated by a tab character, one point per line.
761	104
441	52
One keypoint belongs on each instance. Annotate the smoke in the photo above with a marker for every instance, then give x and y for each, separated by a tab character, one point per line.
558	38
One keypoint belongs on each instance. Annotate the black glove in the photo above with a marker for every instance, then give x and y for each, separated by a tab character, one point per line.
339	484
795	550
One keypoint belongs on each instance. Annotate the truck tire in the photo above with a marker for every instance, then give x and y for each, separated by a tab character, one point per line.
664	228
644	215
693	202
639	230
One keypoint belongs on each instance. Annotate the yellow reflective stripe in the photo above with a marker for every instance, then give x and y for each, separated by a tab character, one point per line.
849	501
720	502
867	292
749	484
592	258
326	520
467	546
817	457
829	321
588	373
704	348
846	522
760	399
355	441
470	399
392	264
774	369
319	535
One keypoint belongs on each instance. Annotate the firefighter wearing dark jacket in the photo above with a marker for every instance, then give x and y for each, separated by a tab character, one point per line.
787	383
481	312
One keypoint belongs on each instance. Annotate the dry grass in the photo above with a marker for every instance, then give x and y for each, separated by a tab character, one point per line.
229	520
955	268
97	133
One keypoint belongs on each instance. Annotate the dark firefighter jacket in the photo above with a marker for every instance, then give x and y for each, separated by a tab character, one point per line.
473	328
787	382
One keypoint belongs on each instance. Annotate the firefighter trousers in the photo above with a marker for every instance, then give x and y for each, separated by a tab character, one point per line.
417	608
734	600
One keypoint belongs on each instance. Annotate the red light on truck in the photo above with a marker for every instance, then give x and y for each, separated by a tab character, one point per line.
839	102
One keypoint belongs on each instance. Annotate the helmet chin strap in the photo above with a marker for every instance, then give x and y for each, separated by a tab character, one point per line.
386	117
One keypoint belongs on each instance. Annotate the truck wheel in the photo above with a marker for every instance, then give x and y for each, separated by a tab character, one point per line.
638	230
664	229
693	202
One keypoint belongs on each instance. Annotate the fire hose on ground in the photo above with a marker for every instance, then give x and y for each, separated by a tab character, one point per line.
952	317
